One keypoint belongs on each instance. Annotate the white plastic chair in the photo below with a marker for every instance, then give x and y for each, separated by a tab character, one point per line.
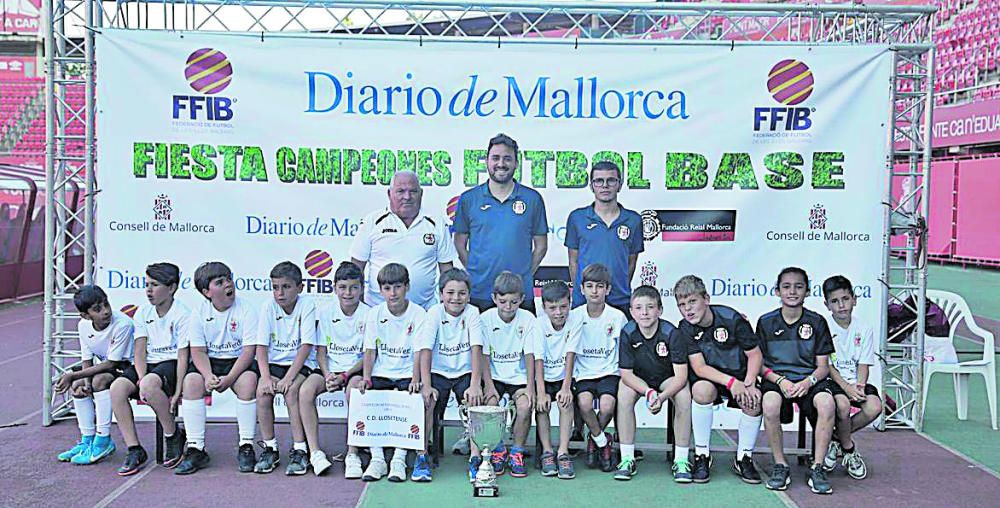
957	310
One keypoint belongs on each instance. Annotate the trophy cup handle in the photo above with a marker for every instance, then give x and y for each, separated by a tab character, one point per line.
463	414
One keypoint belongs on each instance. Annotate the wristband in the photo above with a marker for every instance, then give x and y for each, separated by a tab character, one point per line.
650	397
766	372
729	385
779	380
343	375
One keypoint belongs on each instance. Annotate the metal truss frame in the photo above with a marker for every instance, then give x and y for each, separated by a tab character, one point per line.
70	26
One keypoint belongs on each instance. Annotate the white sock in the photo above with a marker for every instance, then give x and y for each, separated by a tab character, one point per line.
194	414
748	430
268	443
102	408
601	440
377	452
701	426
399	454
246	420
628	451
680	452
300	446
85	418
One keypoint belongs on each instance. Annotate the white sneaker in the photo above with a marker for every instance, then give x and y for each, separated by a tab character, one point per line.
397	470
830	461
855	465
352	466
376	470
319	462
461	446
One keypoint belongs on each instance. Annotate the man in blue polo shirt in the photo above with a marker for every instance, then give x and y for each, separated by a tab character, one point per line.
607	233
501	225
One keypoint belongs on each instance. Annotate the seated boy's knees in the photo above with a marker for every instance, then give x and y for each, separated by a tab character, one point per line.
102	382
771	404
703	392
150	382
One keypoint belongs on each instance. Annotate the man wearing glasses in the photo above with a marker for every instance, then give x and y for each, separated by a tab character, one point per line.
605	232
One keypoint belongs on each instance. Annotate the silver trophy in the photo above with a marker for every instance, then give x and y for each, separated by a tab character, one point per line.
486	426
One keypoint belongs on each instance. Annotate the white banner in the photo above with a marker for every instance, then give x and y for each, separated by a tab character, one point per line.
386	418
742	159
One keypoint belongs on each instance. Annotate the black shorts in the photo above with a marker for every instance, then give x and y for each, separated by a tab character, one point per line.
805	402
869	390
722	394
222	366
279	371
445	386
506	388
607	385
384	383
552	388
165	370
116	372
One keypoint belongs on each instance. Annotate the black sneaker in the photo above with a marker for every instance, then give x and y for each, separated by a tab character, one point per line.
779	479
174	450
745	469
246	458
701	468
134	459
639	455
607	458
816	478
194	459
267	462
593	459
298	463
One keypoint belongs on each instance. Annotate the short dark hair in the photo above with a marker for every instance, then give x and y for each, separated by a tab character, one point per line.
287	270
88	296
348	271
646	291
455	275
505	140
837	282
393	273
596	272
508	283
208	272
792	269
555	291
167	274
605	166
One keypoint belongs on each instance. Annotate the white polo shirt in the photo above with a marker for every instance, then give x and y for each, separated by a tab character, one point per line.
162	334
223	334
283	333
343	336
506	345
551	348
852	347
393	338
595	341
450	339
382	238
113	343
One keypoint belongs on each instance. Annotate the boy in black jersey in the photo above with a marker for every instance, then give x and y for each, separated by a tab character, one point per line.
652	359
725	360
796	344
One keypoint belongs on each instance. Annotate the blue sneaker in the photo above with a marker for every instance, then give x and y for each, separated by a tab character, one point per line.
100	448
421	469
517	469
474	464
82	446
498	459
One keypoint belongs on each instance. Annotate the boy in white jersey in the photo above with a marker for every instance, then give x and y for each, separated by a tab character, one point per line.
285	336
509	336
594	331
337	363
854	345
450	344
105	352
222	346
554	379
391	329
152	378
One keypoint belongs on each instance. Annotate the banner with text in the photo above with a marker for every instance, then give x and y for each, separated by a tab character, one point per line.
386	418
741	159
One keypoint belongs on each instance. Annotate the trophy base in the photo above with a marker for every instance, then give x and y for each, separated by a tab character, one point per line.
485	491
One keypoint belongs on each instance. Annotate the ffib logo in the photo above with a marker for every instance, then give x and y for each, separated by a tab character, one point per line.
790	82
208	71
318	264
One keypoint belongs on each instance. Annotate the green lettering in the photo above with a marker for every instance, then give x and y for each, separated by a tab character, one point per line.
141	158
538	159
179	161
571	170
204	162
253	165
826	167
685	170
635	167
735	169
786	170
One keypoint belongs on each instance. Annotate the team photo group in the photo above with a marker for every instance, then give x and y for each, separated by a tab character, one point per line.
407	318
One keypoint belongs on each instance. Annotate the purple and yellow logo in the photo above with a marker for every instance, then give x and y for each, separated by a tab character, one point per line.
129	310
790	82
319	263
208	71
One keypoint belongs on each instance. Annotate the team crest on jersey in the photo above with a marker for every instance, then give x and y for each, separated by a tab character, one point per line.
429	239
721	334
233	325
661	349
611	330
520	331
409	329
857	339
805	331
624	232
461	324
519	207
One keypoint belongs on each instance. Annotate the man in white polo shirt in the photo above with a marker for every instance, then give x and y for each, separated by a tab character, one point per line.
403	234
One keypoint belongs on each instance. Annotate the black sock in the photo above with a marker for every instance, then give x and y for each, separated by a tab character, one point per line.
134	448
848	450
